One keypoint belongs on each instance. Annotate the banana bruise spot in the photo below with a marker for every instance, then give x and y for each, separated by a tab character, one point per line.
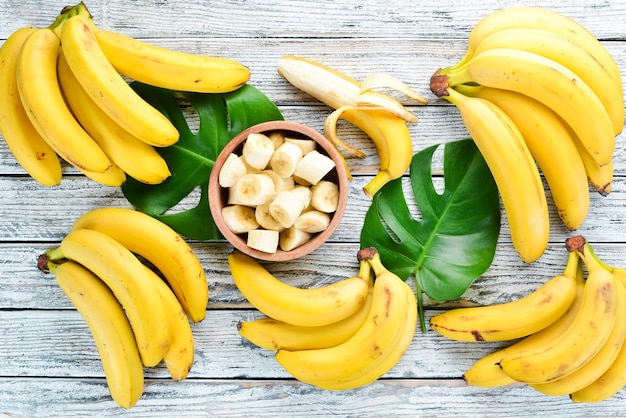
477	335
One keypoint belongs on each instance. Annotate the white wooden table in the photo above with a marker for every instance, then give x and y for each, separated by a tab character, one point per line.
48	363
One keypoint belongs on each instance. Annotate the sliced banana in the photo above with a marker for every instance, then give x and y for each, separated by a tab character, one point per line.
239	219
313	167
265	219
232	170
285	159
287	206
325	196
306	145
263	240
255	189
257	150
292	238
312	221
303	193
277	138
280	183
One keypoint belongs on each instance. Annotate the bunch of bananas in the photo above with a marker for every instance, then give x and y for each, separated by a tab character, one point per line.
63	94
137	284
575	347
380	116
536	89
340	336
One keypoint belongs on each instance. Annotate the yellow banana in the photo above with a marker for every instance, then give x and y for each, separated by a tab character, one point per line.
271	334
179	356
381	117
546	136
387	319
585	336
309	307
109	327
486	372
136	158
599	176
564	51
30	150
600	363
387	360
170	69
46	108
161	246
542	19
516	319
108	89
547	81
115	265
112	176
514	170
614	378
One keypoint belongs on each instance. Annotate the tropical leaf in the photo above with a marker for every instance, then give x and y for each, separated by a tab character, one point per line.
190	160
454	242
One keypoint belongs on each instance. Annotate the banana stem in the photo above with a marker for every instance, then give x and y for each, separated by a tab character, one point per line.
420	304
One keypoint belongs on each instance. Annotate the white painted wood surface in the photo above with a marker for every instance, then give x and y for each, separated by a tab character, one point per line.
49	365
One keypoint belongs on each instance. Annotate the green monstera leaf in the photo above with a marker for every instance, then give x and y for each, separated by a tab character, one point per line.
454	242
190	160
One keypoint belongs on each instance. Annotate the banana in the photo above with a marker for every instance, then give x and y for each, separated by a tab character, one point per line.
312	221
170	69
161	246
108	89
292	237
112	177
265	219
384	121
487	373
136	158
255	189
546	136
288	205
542	19
516	319
514	170
355	362
264	240
127	278
180	354
386	361
325	196
305	145
109	327
239	218
599	176
45	106
257	150
304	307
613	379
564	51
313	167
599	363
30	150
271	334
232	170
544	80
285	159
585	336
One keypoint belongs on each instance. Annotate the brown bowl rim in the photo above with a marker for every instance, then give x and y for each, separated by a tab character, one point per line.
217	195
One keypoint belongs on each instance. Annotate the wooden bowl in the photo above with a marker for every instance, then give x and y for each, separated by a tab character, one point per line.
218	195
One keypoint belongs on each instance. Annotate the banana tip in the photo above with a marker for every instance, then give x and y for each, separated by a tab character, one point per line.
575	243
439	84
42	263
366	253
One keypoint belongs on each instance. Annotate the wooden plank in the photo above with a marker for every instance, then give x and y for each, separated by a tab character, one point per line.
270	398
275	18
